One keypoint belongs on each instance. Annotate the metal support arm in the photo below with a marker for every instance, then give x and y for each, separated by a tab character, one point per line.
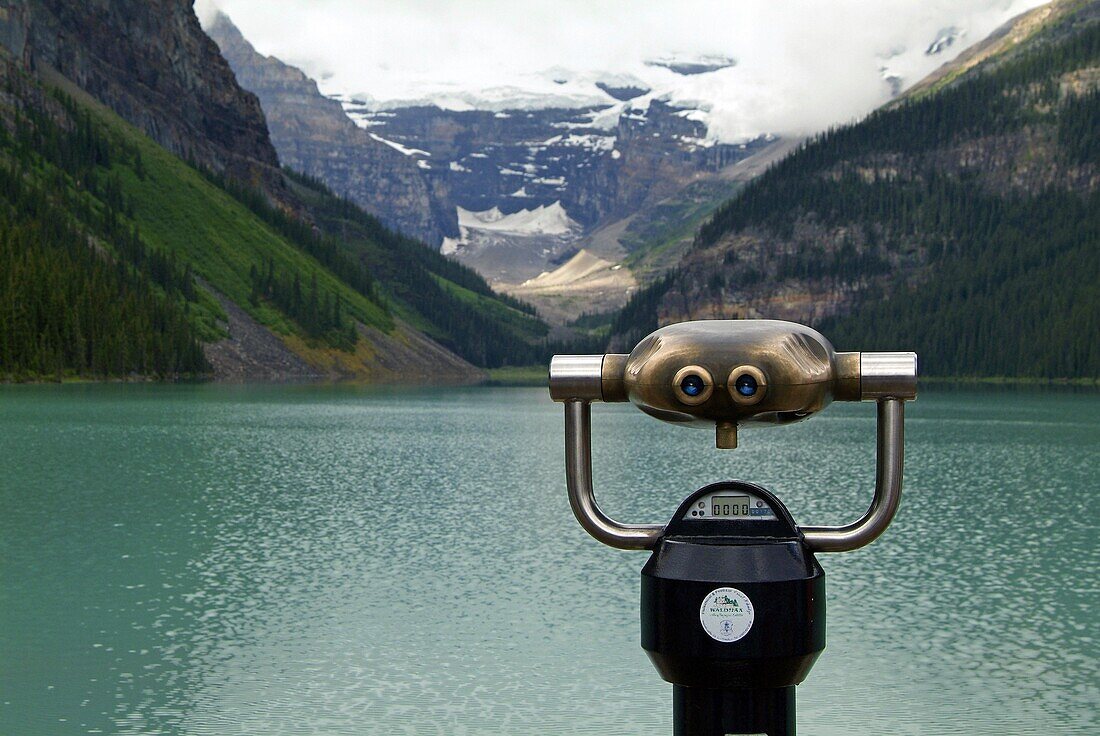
889	451
578	473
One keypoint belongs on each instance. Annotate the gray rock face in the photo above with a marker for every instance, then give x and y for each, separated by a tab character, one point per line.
690	67
522	159
314	135
664	150
622	93
150	62
14	24
530	163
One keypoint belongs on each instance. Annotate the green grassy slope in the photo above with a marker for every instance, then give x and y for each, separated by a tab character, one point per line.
657	238
446	300
306	275
81	293
182	212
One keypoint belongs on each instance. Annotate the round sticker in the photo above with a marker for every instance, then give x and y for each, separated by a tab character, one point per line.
726	614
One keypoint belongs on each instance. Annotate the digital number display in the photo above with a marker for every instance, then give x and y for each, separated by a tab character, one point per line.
729	506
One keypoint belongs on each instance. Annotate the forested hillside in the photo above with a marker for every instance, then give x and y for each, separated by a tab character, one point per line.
82	293
963	223
120	259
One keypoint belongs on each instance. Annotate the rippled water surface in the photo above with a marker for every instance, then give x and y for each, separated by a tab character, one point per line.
299	560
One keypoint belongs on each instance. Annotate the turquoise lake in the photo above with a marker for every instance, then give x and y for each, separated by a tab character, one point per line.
216	559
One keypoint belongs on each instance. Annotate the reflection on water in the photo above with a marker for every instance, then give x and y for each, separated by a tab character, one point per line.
288	560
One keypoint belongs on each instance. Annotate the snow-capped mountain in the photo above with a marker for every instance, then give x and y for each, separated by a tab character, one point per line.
751	69
600	146
616	146
586	166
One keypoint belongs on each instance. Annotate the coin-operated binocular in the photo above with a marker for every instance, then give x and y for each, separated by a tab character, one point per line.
733	600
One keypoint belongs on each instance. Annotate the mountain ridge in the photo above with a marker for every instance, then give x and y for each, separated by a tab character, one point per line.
197	111
313	134
248	261
924	216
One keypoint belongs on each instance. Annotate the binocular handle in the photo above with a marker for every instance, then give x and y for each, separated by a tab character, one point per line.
884	505
889	458
578	478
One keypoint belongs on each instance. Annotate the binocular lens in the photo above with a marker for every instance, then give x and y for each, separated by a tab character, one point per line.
692	385
746	385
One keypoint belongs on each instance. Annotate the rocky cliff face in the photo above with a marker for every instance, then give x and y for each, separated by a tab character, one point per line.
14	24
523	163
522	159
313	135
663	150
151	63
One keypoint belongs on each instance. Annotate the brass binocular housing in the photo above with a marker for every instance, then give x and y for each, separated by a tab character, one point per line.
729	373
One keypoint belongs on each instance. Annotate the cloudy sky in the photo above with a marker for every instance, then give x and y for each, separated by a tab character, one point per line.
801	64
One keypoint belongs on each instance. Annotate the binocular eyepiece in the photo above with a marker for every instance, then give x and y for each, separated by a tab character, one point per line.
727	373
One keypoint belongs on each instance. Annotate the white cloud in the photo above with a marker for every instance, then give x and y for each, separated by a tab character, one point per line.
205	10
802	64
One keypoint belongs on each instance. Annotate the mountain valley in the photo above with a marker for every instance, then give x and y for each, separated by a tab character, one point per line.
465	179
174	204
628	172
136	164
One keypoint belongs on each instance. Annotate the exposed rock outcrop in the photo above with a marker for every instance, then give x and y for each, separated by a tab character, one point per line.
521	159
314	135
150	62
622	92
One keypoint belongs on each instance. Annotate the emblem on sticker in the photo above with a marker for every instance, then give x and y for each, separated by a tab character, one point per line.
726	614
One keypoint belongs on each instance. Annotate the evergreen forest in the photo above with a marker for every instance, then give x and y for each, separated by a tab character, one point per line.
988	268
